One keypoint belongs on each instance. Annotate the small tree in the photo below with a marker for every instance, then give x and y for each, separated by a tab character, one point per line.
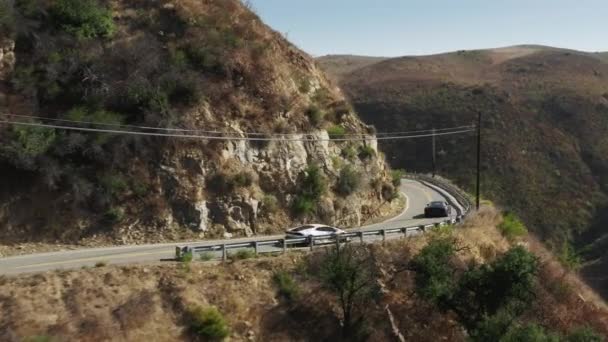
208	323
83	18
350	273
349	181
434	275
505	284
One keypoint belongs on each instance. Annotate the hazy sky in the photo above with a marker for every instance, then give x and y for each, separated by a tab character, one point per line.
407	27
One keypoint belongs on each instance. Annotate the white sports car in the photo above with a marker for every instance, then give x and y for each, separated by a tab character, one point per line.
315	230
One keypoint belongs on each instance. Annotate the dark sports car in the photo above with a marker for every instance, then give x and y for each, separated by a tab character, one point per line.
437	209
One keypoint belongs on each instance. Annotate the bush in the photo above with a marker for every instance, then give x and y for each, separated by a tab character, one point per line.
33	141
101	264
584	334
242	179
312	185
336	132
114	184
206	256
396	176
243	254
434	276
114	215
505	284
348	181
349	153
528	333
83	18
186	257
315	115
7	18
208	323
303	205
366	152
568	257
270	204
287	286
511	227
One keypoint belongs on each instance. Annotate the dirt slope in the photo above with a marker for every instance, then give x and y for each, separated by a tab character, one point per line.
545	123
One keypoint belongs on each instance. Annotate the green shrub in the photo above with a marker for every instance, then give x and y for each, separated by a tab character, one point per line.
434	275
208	323
303	205
114	184
396	176
312	182
242	179
203	57
529	333
584	334
139	188
101	264
29	8
83	18
511	227
288	288
114	215
349	153
366	152
336	132
242	254
206	256
315	115
186	257
270	204
348	181
7	18
569	257
506	283
33	141
311	186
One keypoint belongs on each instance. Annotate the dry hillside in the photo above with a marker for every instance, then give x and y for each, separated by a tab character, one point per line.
545	124
202	66
152	302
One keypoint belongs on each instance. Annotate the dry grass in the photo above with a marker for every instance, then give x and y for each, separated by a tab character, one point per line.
149	302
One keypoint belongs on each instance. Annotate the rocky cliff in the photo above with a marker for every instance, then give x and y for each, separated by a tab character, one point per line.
202	67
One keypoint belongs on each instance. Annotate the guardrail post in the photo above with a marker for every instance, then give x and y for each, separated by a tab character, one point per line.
255	247
360	236
311	242
383	233
178	252
404	231
422	228
224	253
284	246
337	241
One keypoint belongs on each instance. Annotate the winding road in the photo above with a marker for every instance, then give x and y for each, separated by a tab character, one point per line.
417	194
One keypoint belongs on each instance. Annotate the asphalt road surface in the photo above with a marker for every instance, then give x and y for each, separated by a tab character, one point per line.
417	194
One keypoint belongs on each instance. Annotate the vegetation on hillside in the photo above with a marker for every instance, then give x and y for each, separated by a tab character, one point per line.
544	123
454	284
197	66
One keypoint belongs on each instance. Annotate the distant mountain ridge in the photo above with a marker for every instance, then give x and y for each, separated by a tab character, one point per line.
545	123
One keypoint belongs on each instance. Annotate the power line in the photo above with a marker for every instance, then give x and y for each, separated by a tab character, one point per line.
203	137
220	132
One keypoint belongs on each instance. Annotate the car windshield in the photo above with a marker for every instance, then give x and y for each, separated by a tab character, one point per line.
299	229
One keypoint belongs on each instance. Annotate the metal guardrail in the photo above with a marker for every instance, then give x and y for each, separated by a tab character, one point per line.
463	207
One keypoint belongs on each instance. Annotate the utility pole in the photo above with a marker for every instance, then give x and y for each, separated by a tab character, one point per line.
434	158
478	156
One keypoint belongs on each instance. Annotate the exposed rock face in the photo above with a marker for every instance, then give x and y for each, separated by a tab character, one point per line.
214	68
